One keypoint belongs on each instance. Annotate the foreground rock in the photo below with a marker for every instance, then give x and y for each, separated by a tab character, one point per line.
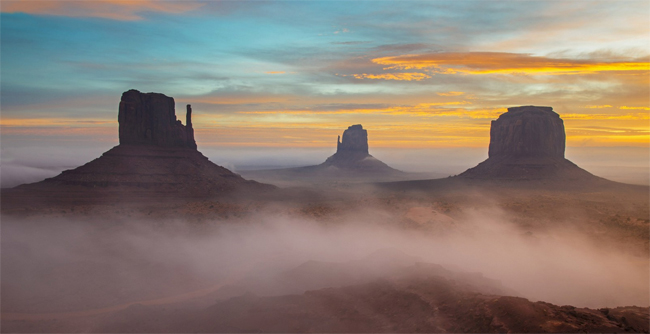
157	154
527	143
417	298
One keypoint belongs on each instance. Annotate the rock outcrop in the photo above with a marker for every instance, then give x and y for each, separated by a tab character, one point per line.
352	153
351	163
150	119
355	139
156	153
527	131
527	143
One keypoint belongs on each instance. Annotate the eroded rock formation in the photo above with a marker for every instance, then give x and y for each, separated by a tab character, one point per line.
527	131
156	153
355	139
150	119
352	153
527	143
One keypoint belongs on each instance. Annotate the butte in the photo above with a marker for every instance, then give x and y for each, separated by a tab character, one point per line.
352	162
352	154
157	157
527	143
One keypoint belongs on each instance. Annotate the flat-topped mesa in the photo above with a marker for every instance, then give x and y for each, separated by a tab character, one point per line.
150	119
527	131
355	139
527	143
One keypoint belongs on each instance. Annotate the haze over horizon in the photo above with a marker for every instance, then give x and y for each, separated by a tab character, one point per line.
286	78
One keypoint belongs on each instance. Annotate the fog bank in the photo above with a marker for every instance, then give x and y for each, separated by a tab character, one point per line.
56	265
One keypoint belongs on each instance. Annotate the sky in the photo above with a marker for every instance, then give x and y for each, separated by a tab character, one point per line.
295	74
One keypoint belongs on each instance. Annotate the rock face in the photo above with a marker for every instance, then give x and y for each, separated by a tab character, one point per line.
156	153
527	143
352	153
355	139
150	119
527	132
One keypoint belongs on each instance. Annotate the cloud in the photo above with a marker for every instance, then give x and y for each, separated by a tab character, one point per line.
123	10
640	108
630	116
451	94
598	106
506	63
393	76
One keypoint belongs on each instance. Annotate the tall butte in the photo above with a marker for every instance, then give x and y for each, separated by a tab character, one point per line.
527	142
352	153
156	153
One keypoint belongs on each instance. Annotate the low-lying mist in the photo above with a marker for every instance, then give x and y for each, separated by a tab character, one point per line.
58	265
27	161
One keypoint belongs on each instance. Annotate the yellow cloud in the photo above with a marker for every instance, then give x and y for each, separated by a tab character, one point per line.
124	10
275	72
632	116
505	63
640	108
435	109
451	94
599	106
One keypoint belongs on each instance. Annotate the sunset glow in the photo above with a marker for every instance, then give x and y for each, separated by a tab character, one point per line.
284	74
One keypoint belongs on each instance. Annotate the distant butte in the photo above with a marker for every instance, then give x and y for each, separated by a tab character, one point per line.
156	153
352	153
527	142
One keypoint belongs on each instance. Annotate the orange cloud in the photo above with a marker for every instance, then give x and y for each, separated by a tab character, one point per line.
505	63
275	72
394	76
124	10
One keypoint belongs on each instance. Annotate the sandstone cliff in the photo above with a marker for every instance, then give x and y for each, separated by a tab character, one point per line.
527	131
150	118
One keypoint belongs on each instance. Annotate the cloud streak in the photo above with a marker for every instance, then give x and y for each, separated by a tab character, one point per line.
122	10
506	63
